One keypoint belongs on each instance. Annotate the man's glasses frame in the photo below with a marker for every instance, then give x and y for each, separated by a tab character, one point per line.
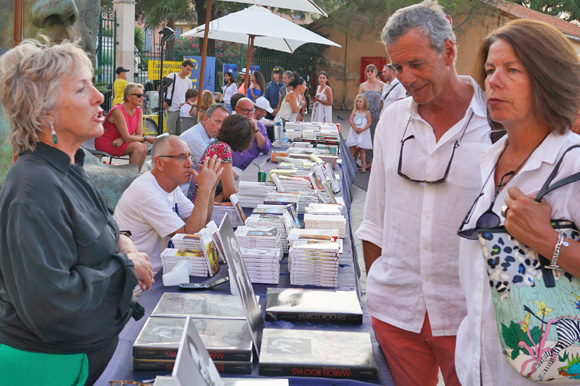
442	179
179	157
247	111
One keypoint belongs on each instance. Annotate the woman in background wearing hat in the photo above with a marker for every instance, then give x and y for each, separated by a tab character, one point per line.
119	85
242	87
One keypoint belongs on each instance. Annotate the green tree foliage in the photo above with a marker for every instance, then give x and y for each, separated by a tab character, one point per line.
568	10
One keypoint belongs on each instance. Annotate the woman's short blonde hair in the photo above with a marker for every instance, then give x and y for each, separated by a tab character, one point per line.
129	88
207	99
31	76
552	65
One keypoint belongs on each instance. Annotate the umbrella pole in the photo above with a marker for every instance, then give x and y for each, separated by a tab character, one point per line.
248	60
203	55
18	11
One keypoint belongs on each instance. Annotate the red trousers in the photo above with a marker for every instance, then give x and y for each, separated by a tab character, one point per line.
414	358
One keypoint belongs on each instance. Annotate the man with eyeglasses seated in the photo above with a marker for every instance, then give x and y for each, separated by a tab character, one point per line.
154	208
424	178
261	143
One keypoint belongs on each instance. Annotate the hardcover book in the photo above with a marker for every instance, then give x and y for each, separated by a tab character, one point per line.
311	305
312	353
224	339
169	364
199	305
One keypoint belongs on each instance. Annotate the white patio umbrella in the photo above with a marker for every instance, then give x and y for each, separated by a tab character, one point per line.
257	26
298	5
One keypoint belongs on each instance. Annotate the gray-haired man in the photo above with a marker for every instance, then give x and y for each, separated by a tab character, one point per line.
425	175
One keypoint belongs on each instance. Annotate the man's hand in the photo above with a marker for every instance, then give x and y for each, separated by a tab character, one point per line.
143	269
209	174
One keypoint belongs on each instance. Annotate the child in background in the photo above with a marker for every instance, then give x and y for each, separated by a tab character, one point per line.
359	135
188	108
207	99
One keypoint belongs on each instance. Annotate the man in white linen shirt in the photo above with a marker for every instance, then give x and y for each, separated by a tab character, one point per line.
153	207
393	90
176	94
424	178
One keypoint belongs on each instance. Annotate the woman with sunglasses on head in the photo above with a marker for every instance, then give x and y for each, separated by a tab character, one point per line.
372	88
531	77
124	128
66	273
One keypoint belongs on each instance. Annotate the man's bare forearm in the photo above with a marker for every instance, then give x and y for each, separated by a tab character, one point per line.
371	253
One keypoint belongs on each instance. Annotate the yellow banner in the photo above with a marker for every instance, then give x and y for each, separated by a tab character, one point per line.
168	68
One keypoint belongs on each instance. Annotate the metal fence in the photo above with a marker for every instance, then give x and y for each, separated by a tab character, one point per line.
106	58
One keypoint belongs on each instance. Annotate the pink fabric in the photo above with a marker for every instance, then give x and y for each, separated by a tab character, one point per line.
414	358
105	141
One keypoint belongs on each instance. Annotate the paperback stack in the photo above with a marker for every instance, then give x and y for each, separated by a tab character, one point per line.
304	199
221	209
258	237
262	265
313	353
295	183
251	194
313	263
315	221
283	224
312	234
220	321
326	209
196	259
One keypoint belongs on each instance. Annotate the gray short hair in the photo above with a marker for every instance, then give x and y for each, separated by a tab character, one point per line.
31	77
427	16
211	109
161	146
129	88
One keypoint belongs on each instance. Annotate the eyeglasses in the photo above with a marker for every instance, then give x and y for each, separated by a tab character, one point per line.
440	180
488	219
139	95
247	111
180	157
123	383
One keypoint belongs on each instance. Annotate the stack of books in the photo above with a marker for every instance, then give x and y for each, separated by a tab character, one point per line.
258	237
302	199
295	183
315	221
196	259
312	234
232	209
283	225
251	194
220	321
326	209
314	263
262	265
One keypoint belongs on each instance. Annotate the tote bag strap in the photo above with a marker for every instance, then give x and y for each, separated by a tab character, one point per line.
547	188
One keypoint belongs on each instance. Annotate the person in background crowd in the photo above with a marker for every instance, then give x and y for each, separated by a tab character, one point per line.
359	137
322	108
202	134
372	88
423	181
242	86
272	93
294	101
124	128
234	135
189	107
287	77
531	76
175	94
235	99
207	100
66	273
257	85
153	207
393	90
261	142
119	85
229	89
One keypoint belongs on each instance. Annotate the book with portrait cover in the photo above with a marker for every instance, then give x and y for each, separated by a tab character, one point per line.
168	364
224	339
313	305
313	353
199	305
